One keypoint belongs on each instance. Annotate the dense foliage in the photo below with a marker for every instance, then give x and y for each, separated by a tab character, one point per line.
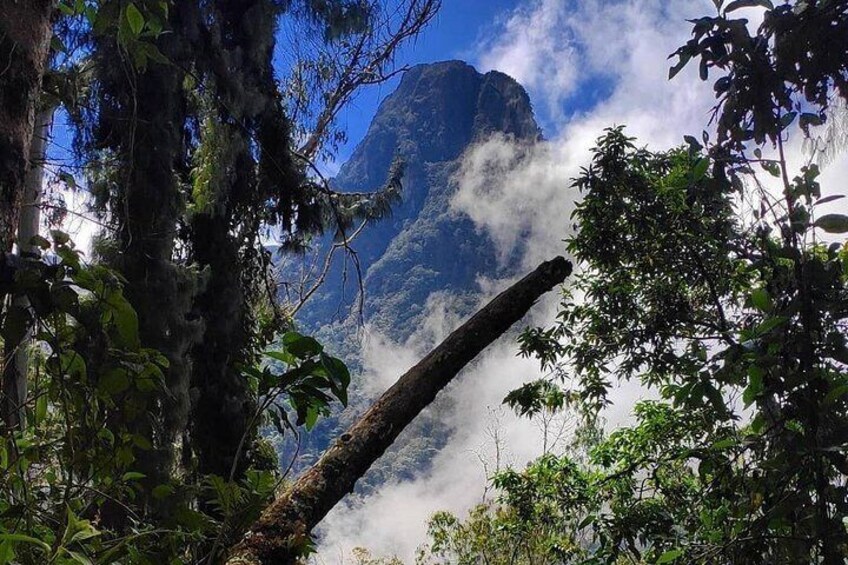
137	379
711	275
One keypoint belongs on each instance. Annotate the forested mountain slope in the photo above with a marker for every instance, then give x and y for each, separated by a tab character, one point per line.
425	247
435	114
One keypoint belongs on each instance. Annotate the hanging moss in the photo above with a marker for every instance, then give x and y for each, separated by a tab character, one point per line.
140	116
230	206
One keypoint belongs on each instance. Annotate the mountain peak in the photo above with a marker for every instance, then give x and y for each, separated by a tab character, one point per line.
436	112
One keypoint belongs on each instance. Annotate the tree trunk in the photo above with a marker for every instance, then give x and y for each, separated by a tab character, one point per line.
283	529
142	118
16	354
30	218
25	33
223	235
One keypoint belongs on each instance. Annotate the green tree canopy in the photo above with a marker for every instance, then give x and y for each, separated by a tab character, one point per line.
710	274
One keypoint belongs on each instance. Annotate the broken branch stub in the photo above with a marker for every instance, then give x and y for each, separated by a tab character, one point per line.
283	530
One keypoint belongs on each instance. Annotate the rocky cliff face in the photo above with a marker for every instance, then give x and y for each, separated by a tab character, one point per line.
435	114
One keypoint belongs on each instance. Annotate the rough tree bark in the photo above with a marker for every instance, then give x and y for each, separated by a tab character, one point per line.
17	354
286	524
25	33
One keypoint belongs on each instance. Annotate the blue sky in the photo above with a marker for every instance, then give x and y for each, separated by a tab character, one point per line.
458	30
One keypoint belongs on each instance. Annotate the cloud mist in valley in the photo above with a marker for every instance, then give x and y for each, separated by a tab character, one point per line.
520	196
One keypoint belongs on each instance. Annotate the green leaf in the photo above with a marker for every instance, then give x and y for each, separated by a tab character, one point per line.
7	552
67	11
135	19
40	241
282	356
807	119
693	143
60	237
700	168
755	385
587	521
70	257
831	198
312	414
106	435
336	370
670	556
77	529
833	223
769	324
68	179
684	58
91	15
771	167
132	476
40	408
114	381
21	538
162	491
715	398
787	119
142	442
70	363
152	52
725	443
301	346
154	26
125	319
761	300
58	45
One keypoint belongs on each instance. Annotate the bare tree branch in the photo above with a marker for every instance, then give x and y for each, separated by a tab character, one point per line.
366	60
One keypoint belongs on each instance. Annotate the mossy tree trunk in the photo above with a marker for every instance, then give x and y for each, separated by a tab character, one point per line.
225	226
142	119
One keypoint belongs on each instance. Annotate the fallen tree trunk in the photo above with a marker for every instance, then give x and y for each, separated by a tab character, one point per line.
283	530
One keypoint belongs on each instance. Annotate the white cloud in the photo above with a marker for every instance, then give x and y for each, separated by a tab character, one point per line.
521	195
561	50
530	45
393	520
